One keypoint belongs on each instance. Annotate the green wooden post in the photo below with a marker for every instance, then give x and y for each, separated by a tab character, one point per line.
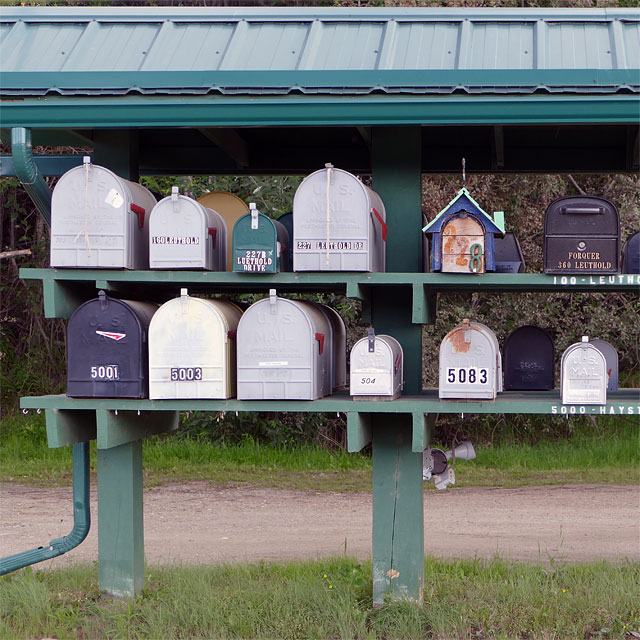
398	521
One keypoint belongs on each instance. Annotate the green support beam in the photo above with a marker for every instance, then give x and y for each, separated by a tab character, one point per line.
65	427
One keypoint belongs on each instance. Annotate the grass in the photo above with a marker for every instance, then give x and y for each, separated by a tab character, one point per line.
608	456
473	599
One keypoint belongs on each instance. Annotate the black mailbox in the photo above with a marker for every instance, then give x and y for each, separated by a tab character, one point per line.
286	220
107	355
631	254
528	359
508	254
581	235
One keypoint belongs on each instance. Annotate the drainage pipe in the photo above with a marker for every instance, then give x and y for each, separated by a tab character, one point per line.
81	518
27	172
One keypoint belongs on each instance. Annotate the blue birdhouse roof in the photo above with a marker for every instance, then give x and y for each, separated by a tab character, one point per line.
464	202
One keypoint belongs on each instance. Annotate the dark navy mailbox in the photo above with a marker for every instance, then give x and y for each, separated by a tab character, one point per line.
581	235
631	254
529	357
107	355
286	220
508	254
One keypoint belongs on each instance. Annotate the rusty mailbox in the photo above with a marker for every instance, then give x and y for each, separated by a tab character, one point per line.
107	350
581	235
469	358
376	367
529	356
583	374
99	220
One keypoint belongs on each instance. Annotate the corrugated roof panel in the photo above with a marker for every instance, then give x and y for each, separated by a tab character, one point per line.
421	46
349	45
631	41
579	46
502	46
274	46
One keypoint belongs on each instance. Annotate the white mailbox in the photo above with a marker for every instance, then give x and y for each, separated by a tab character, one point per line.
469	361
285	351
611	358
338	224
339	338
99	220
376	368
583	374
494	338
183	234
192	350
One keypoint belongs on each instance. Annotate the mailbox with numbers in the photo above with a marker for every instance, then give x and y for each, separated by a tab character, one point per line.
339	224
107	348
231	208
285	351
581	235
260	244
611	358
529	356
631	254
99	220
192	349
183	234
376	368
583	374
463	236
508	254
469	359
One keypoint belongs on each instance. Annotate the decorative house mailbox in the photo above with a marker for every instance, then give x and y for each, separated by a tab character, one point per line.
463	236
583	374
260	244
284	351
581	235
339	224
107	348
231	208
286	220
469	363
631	254
185	235
376	368
529	357
508	254
611	358
192	349
99	220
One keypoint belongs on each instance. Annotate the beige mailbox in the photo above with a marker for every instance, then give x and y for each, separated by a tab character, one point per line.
376	368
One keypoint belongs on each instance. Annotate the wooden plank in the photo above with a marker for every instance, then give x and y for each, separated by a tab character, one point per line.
358	431
65	427
115	428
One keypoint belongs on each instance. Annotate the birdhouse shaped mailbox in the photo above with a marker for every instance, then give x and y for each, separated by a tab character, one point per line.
469	363
611	358
107	348
192	349
260	244
508	254
529	357
581	235
99	220
183	234
463	236
376	368
631	254
583	374
284	351
231	208
339	224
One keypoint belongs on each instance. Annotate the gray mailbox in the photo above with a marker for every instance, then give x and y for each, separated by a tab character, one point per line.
192	349
99	220
338	224
183	234
285	351
339	339
611	358
583	374
376	368
469	359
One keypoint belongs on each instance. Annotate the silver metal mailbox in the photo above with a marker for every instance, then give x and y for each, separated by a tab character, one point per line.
499	376
99	220
338	224
339	339
376	367
583	374
469	363
611	358
284	351
183	234
192	349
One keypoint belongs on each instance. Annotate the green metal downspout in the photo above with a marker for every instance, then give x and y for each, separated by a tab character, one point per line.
81	519
27	172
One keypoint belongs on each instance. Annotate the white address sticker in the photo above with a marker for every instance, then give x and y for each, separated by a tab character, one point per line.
105	372
114	199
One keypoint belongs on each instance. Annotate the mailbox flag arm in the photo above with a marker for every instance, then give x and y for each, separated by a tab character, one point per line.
383	224
81	519
140	211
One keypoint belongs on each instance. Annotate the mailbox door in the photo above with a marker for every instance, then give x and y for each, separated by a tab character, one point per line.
583	375
529	357
255	250
107	349
463	245
631	254
611	359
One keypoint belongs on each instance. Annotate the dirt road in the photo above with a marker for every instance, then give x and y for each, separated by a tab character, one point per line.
194	523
